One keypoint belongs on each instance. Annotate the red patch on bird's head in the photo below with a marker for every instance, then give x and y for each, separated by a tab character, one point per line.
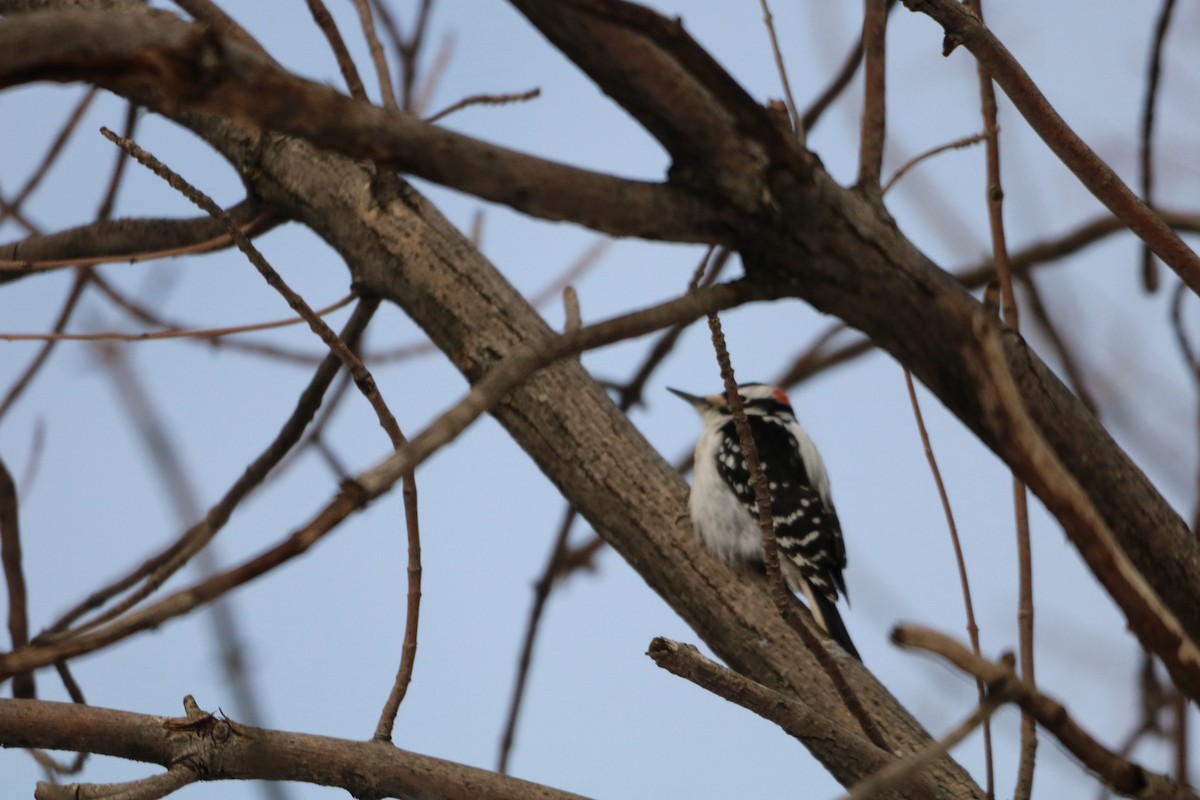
781	396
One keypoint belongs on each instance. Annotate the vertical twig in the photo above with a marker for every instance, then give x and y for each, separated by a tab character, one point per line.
14	578
408	651
874	119
783	600
769	21
1025	610
964	580
386	91
324	20
541	593
1146	150
837	85
408	48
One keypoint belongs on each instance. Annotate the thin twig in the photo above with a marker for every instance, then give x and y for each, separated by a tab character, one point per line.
408	48
486	100
433	75
19	386
144	314
14	577
172	332
541	593
118	173
838	84
957	144
37	449
966	28
408	650
794	112
362	376
56	149
1146	148
386	91
782	598
337	44
874	119
1025	607
963	578
1122	775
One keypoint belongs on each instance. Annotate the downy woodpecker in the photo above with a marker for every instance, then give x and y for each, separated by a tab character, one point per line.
725	514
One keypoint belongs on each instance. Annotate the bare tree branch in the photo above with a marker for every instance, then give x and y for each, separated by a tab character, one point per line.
131	48
795	717
963	27
129	241
1117	772
220	749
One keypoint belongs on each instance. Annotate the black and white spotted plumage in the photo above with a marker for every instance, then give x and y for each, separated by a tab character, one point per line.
725	513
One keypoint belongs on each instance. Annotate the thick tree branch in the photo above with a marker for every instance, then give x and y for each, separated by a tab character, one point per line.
714	130
219	749
172	67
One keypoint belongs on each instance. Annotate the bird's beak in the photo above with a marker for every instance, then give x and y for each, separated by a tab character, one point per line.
701	404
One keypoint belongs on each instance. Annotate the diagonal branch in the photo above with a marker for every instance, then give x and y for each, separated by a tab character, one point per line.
963	27
1120	774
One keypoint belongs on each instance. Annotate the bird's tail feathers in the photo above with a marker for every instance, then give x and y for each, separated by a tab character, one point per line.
827	617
